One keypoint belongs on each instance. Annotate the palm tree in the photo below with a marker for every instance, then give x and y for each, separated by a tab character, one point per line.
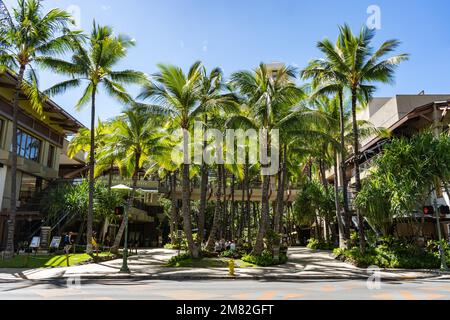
359	65
92	63
325	150
185	98
179	95
354	64
214	100
220	219
331	109
81	142
268	96
31	37
162	165
326	81
135	139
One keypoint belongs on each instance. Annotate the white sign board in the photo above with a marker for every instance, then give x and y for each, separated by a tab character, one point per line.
55	242
35	242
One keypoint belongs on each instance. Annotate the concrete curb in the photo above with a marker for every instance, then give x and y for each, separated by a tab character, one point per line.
227	277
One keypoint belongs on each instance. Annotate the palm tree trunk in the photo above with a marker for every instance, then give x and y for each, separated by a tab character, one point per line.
13	205
119	235
90	215
187	224
217	211
325	186
111	168
202	207
247	199
317	229
264	221
342	240
123	225
233	208
225	217
241	219
343	168
80	233
362	239
203	191
278	218
173	208
186	194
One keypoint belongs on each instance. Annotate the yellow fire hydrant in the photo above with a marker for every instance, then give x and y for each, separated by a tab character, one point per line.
231	267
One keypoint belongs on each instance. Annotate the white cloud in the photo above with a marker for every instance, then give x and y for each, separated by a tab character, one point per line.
205	46
105	7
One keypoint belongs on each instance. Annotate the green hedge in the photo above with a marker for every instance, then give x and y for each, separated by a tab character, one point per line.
395	254
265	259
316	244
175	260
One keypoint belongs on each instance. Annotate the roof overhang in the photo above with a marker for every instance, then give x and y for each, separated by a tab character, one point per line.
54	114
414	114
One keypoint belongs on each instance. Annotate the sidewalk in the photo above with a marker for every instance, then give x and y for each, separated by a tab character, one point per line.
304	264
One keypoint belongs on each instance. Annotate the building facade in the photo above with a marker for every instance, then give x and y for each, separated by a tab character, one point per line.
403	116
42	145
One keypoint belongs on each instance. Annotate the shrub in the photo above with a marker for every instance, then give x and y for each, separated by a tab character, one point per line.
265	259
433	246
180	242
231	254
174	261
316	244
391	253
171	246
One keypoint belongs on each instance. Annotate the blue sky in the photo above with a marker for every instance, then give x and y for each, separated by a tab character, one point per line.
240	34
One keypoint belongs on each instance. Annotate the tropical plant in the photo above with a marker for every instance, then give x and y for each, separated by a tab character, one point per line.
313	203
269	98
92	63
215	101
423	162
71	199
135	138
178	95
355	64
81	142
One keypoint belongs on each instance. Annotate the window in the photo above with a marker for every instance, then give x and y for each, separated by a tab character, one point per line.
51	156
1	132
28	147
27	188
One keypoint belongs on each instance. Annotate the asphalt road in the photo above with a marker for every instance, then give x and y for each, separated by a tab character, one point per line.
224	290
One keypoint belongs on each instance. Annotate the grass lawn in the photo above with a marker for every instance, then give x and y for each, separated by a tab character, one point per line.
211	263
45	261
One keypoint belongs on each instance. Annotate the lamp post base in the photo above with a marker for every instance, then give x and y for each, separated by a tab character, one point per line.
124	270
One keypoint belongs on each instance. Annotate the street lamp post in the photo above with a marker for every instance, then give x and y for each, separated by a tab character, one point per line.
124	268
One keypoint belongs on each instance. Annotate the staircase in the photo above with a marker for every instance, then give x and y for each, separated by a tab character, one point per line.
34	206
